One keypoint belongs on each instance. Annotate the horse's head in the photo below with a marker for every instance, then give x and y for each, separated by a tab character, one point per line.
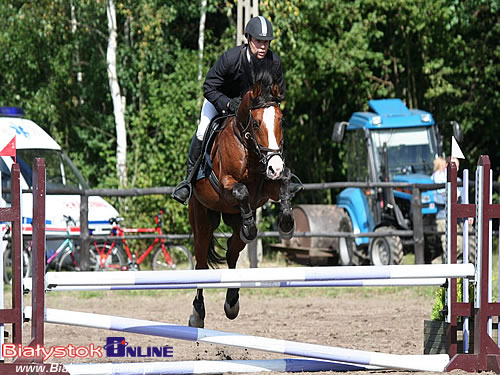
259	120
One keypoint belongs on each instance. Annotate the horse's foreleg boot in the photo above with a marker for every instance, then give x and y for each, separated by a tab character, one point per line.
286	221
248	231
197	318
232	303
248	228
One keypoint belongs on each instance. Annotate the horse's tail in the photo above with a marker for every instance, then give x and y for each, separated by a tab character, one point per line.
214	258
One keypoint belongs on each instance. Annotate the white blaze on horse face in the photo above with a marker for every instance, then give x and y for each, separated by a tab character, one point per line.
275	164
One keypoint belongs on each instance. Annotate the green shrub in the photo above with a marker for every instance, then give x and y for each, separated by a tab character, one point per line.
438	312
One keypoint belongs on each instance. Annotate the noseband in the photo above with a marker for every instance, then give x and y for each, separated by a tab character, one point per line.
264	154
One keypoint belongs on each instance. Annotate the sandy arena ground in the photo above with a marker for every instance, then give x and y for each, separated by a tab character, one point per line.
385	320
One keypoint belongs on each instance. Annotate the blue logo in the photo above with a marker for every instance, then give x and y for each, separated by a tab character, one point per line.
119	347
20	131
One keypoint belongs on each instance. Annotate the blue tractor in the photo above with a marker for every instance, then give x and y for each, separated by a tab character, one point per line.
389	143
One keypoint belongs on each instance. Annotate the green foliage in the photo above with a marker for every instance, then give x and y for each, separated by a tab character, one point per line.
439	303
438	312
438	55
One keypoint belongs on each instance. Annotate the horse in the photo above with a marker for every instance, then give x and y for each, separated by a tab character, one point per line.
247	159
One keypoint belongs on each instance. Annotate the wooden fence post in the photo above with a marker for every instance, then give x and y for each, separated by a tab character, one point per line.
418	226
84	231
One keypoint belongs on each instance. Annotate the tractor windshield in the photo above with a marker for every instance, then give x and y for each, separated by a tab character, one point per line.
409	150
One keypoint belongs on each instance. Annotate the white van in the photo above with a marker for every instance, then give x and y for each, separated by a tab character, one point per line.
32	141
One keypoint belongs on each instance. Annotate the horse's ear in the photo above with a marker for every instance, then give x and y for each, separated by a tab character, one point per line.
275	90
257	90
244	108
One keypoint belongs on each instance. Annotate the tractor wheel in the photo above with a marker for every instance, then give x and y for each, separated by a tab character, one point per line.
385	250
348	255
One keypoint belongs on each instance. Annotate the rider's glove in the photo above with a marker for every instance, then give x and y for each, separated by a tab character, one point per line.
233	105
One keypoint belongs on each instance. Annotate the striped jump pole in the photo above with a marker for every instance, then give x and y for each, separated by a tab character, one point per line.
438	281
435	363
212	367
260	275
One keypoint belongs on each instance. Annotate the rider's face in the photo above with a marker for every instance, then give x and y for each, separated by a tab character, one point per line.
258	47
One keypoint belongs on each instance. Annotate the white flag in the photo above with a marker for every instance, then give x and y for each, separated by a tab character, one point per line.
455	149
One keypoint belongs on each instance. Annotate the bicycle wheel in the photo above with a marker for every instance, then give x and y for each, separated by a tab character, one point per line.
7	264
109	260
70	261
181	258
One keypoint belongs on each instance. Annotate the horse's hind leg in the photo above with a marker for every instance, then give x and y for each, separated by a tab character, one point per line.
286	222
248	231
234	246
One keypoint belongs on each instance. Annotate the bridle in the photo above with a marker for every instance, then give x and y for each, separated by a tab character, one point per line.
249	140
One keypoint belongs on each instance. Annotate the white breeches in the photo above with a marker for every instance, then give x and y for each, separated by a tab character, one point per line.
208	112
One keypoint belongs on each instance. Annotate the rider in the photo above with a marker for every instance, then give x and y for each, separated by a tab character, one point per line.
225	83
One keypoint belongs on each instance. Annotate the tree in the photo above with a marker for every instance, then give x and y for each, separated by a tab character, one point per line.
439	55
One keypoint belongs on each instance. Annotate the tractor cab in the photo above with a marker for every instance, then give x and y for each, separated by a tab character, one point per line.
391	143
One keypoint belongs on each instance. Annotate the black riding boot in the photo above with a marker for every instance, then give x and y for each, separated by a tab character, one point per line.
183	191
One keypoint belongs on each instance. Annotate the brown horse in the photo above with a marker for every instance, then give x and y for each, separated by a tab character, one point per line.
247	158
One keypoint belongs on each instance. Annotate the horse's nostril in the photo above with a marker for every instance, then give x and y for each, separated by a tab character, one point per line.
274	171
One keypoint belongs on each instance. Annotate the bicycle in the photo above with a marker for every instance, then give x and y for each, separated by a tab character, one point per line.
64	258
66	255
109	257
166	255
7	259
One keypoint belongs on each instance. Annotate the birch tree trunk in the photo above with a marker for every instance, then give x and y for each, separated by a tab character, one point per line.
118	101
201	37
76	57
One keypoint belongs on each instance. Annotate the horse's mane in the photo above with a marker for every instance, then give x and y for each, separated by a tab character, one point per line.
265	75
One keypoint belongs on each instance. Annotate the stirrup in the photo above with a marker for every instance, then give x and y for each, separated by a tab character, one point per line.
184	184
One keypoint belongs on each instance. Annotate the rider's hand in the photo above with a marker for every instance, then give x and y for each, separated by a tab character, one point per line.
233	105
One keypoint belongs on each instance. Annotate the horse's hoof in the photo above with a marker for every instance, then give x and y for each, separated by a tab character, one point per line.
232	312
286	235
196	321
286	225
248	234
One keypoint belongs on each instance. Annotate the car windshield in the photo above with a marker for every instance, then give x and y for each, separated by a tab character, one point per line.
60	171
409	150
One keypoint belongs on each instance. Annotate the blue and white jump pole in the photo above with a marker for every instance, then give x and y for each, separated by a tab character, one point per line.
255	284
265	275
435	363
212	367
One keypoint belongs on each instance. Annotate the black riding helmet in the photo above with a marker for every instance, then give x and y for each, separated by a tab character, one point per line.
259	28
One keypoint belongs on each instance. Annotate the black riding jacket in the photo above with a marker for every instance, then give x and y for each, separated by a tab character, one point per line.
230	77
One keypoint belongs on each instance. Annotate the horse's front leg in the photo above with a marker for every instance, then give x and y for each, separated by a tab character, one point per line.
197	318
286	222
248	231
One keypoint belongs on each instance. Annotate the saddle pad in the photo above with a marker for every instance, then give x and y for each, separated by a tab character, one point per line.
205	169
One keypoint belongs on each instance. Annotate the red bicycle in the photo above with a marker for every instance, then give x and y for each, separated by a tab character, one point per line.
166	255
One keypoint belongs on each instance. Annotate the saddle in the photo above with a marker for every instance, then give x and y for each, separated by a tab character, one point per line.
205	169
